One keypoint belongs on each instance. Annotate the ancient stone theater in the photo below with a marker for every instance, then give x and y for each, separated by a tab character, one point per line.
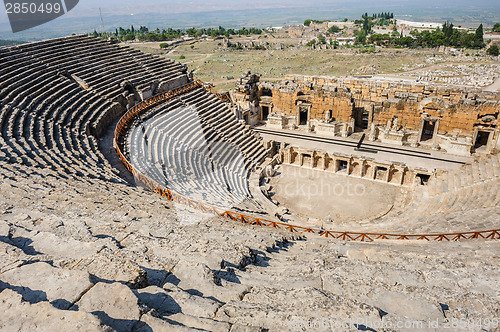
135	197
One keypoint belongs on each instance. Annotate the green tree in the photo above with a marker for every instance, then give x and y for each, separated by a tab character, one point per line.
478	38
447	31
361	37
129	36
395	32
367	25
307	22
334	29
496	27
493	50
406	41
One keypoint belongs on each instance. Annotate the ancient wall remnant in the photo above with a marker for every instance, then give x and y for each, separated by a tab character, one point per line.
362	167
457	119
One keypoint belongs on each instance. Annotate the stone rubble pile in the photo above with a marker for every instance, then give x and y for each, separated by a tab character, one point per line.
475	75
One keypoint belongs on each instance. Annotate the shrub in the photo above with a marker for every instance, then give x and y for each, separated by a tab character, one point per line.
493	50
334	29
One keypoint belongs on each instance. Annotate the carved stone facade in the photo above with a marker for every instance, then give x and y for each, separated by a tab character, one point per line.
366	168
458	120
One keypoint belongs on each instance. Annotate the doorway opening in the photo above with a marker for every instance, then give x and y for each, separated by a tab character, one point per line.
428	130
482	139
264	113
423	178
303	116
342	165
380	173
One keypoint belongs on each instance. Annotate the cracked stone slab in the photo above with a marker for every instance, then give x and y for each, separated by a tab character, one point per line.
405	305
50	244
177	301
40	281
4	230
114	304
201	323
150	323
19	316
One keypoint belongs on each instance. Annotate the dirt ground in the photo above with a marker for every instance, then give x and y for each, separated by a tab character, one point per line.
222	67
318	194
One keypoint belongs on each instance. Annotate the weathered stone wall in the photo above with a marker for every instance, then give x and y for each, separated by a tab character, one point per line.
458	119
336	100
366	168
459	109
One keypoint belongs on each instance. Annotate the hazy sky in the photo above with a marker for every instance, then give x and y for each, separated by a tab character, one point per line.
128	7
85	16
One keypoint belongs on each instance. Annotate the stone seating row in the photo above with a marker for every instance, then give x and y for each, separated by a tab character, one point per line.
176	147
42	137
452	193
48	120
185	170
216	115
101	64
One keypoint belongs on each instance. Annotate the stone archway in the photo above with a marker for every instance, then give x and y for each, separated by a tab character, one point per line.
368	172
395	176
329	164
356	169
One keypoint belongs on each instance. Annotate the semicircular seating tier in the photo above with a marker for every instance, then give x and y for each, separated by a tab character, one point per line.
57	97
465	199
194	145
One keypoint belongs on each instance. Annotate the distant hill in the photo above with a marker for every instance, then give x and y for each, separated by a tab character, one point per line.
4	42
86	17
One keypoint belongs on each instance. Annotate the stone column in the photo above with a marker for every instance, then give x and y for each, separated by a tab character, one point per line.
372	136
401	178
388	173
496	139
436	128
421	130
297	114
349	163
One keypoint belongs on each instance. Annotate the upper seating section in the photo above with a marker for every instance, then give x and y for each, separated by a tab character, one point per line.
102	66
58	96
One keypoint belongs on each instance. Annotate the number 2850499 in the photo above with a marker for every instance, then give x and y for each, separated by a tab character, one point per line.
32	8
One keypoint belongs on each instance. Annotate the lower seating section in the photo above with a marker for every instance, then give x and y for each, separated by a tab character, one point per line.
51	121
45	135
183	146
